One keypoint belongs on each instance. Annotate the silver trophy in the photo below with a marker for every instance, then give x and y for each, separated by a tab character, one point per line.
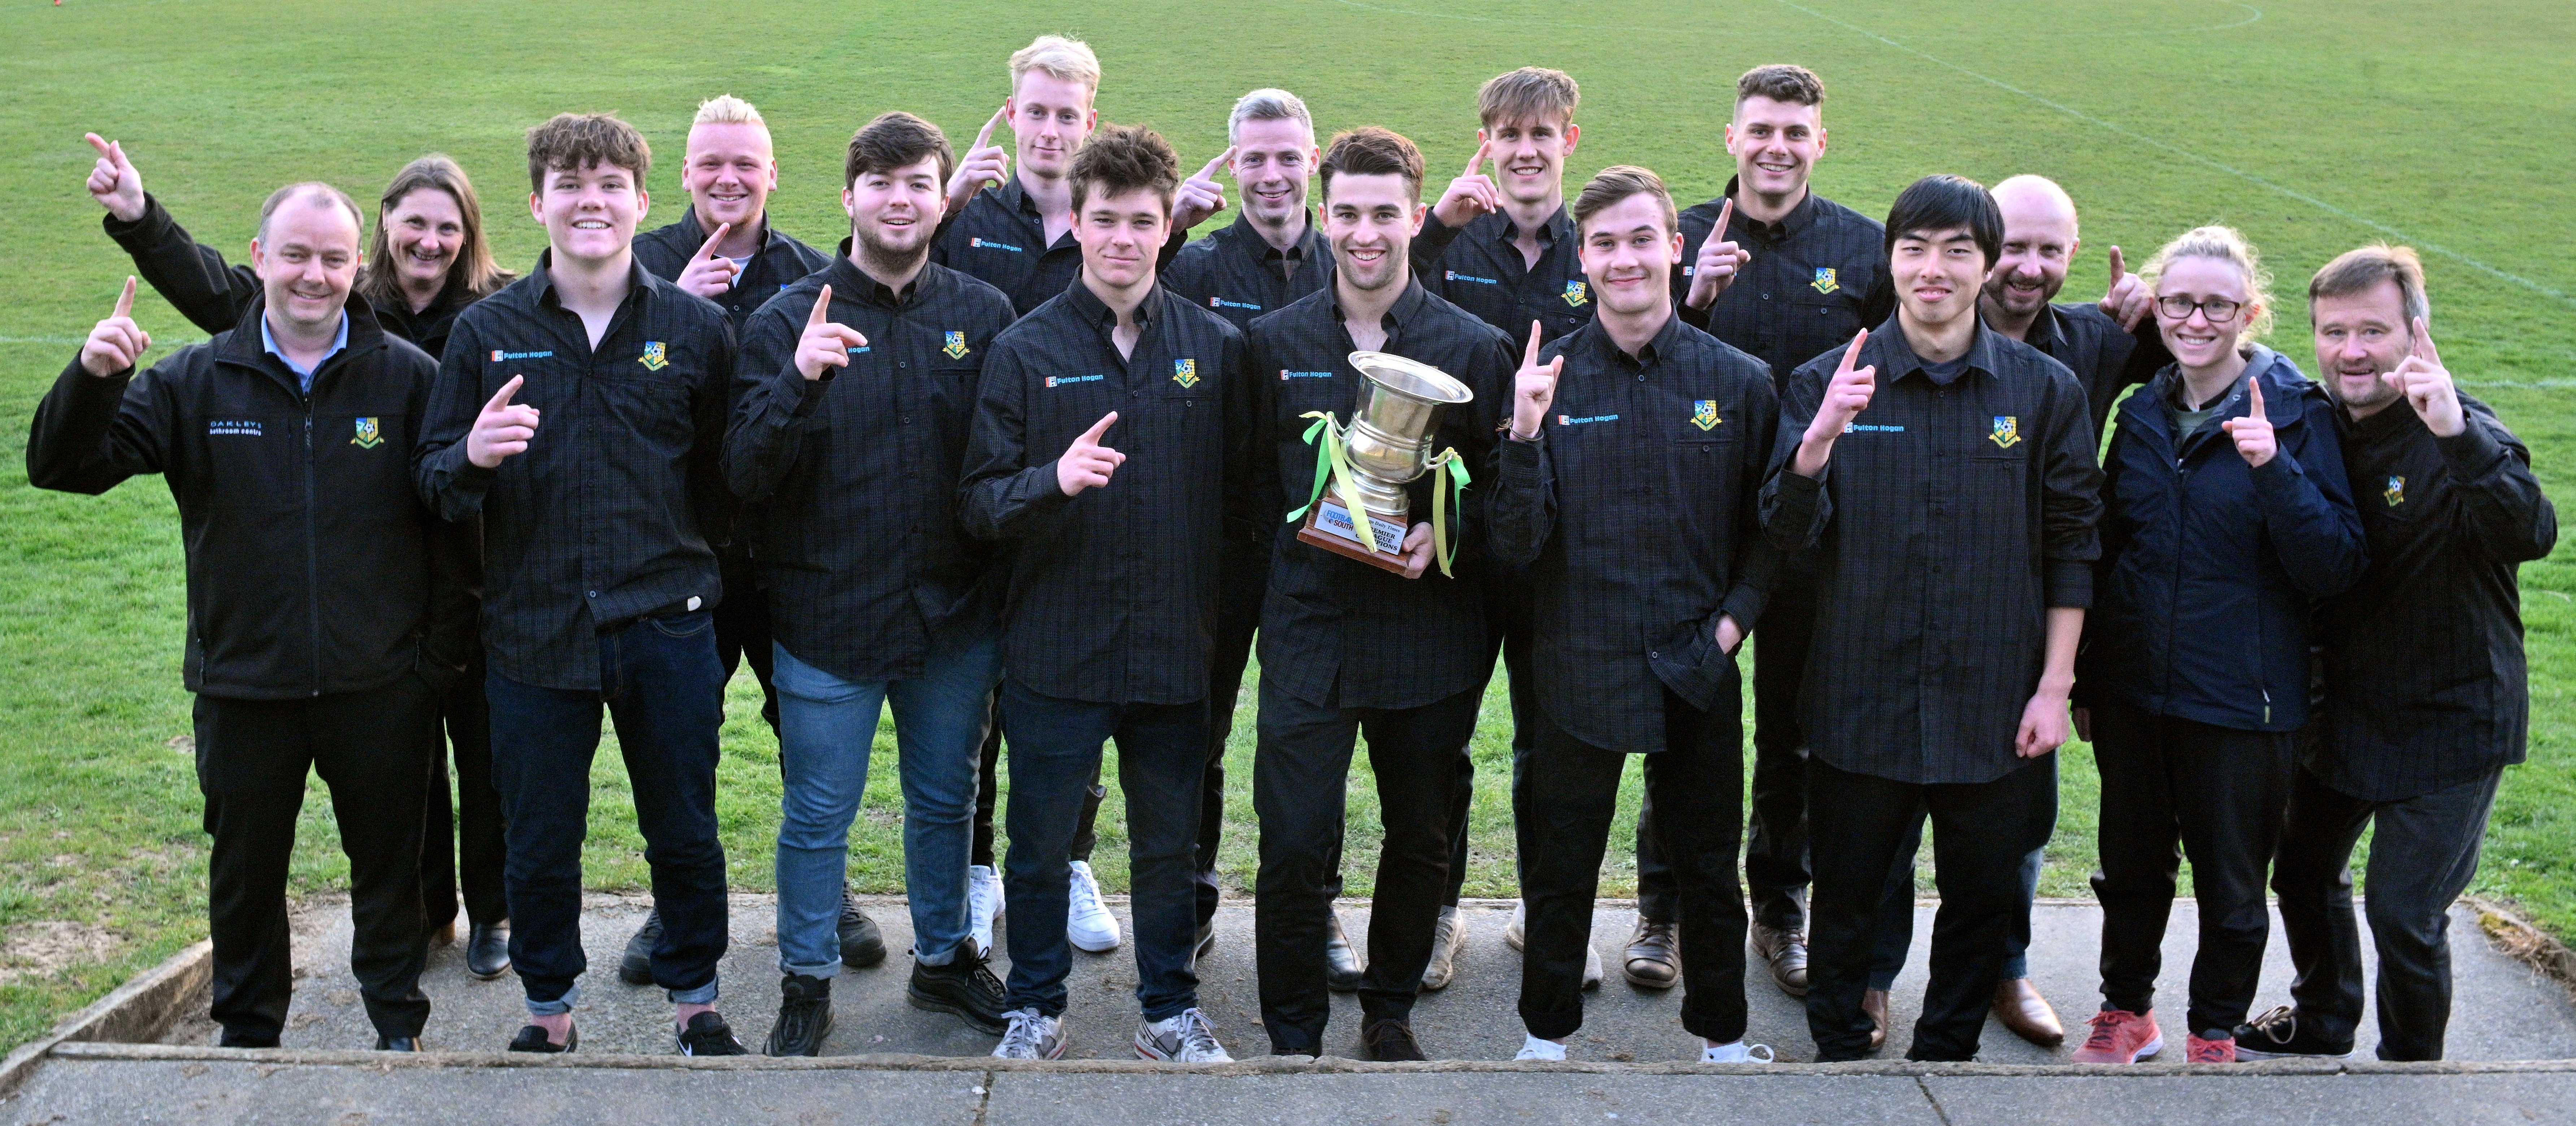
1388	445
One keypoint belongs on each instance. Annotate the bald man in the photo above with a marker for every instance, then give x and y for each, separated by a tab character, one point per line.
2105	347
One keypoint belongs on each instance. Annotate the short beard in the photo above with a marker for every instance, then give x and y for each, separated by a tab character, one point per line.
876	259
2381	394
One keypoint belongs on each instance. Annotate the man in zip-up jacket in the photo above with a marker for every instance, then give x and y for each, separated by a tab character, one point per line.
2428	694
322	617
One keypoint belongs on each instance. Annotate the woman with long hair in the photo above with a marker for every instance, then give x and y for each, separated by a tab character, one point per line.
2226	516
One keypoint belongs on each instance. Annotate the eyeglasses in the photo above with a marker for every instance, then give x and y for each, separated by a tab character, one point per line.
2217	309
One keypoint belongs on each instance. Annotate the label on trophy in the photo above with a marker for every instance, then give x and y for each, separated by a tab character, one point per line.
1332	518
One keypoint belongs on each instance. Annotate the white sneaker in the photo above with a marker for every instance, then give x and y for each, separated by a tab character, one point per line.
1087	921
1030	1037
1516	932
1737	1052
983	904
1182	1039
1533	1048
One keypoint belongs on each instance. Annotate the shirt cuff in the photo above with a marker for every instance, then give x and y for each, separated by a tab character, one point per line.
2067	584
793	389
1521	460
2471	452
1798	509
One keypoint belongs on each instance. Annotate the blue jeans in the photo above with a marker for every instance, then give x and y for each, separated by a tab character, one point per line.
825	728
662	685
1055	752
1896	911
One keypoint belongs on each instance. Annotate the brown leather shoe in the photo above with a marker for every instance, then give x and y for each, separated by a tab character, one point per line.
1874	1002
1654	955
2021	1008
1786	951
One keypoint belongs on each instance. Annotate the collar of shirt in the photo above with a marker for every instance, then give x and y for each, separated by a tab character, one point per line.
695	235
848	280
638	281
1900	361
1248	242
1559	228
1098	314
2048	332
1789	225
1407	304
1602	351
268	343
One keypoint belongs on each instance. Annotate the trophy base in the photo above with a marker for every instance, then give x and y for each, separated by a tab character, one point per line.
1328	526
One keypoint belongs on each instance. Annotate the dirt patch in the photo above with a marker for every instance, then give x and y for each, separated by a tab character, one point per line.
40	948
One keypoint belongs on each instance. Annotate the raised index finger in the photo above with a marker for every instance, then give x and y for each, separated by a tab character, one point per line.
1099	428
2423	343
822	308
1851	355
1531	360
125	300
1209	172
1478	161
99	143
2254	410
1725	215
507	389
709	250
985	138
2119	269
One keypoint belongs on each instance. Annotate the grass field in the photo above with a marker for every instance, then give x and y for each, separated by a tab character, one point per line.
2311	125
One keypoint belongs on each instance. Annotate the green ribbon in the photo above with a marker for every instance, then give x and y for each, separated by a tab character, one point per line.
1335	464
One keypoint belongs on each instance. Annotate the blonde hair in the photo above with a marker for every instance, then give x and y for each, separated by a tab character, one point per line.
1532	92
725	109
1065	60
2227	245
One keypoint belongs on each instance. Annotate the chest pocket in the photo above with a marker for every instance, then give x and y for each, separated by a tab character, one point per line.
1816	322
654	401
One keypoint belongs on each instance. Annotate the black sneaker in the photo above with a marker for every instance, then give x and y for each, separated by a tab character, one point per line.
861	945
804	1016
2279	1035
532	1038
635	967
965	986
1390	1040
709	1035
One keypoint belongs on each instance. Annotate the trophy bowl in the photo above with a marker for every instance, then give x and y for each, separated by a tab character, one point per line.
1388	441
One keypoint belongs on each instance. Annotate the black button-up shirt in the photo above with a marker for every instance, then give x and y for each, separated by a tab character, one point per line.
860	550
1950	519
781	260
1238	275
1336	630
2426	680
1112	593
600	521
1817	277
2106	360
999	238
1478	268
1637	512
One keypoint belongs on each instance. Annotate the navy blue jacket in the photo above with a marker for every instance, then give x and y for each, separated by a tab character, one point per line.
2209	566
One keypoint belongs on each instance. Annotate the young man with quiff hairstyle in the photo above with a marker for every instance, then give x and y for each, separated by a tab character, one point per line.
2428	694
1111	449
581	413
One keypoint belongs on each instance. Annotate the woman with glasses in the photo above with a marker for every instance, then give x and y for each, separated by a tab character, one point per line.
2226	515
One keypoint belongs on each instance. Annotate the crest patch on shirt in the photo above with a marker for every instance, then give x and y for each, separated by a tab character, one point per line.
1825	282
1704	413
654	357
368	436
2007	432
1185	372
956	347
2396	493
1575	293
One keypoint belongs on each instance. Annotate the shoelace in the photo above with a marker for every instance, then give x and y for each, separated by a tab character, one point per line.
979	977
1026	1035
2279	1026
2105	1033
1086	894
1197	1039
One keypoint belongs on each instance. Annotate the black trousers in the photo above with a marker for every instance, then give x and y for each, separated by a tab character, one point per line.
988	795
1980	832
1568	795
1299	776
1238	616
372	749
742	627
2423	851
1775	856
1508	636
2221	794
462	840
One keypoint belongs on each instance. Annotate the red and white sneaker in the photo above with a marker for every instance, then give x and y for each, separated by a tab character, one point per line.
2120	1036
2221	1050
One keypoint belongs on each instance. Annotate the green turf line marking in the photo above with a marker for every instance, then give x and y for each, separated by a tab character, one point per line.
2196	158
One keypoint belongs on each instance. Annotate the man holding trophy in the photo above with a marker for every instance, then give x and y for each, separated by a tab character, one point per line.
1629	488
1374	620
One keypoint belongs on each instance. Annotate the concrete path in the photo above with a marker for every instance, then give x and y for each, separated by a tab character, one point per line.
890	1063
